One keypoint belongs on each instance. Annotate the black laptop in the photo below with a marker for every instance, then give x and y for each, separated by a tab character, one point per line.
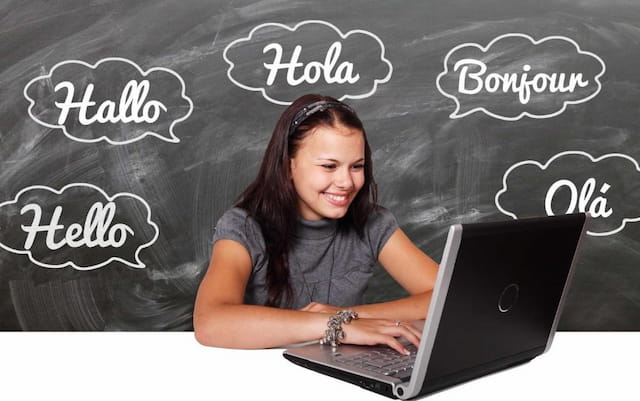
496	304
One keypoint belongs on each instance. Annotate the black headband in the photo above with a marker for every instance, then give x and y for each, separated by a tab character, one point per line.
315	107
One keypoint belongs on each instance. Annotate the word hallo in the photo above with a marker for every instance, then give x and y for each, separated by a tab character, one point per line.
132	106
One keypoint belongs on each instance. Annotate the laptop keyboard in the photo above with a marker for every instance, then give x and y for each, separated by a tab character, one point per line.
385	361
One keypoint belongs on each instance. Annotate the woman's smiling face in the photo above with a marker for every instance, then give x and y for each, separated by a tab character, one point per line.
328	171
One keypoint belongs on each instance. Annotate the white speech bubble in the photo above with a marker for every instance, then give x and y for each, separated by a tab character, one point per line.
172	138
485	49
544	166
271	25
137	264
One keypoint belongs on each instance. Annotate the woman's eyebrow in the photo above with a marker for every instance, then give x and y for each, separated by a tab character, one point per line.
328	159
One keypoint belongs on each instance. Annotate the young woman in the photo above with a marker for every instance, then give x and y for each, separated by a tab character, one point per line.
291	260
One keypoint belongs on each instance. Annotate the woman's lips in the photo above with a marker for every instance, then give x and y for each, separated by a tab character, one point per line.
336	199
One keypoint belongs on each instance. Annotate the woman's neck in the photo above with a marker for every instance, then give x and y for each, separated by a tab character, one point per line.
316	229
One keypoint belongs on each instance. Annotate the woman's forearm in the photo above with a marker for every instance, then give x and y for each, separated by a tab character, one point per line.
250	326
413	307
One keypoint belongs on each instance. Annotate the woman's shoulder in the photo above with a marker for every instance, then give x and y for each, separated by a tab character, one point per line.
381	217
234	215
237	225
237	221
381	224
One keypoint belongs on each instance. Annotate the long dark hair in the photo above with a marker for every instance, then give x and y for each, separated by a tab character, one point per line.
271	198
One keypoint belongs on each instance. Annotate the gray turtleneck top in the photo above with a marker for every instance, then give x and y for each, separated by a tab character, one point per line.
326	265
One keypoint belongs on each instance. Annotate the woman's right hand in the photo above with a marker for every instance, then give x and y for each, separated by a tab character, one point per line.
380	331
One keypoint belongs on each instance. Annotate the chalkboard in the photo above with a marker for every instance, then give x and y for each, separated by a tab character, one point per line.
128	127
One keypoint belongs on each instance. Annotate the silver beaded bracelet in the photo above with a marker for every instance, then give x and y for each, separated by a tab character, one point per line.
334	333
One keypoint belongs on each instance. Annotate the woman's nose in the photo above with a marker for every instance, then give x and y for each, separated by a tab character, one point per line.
343	179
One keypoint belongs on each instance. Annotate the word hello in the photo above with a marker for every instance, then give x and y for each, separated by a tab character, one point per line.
522	84
132	106
298	72
96	230
581	199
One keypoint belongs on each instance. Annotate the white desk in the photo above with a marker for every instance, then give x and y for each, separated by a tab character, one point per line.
172	366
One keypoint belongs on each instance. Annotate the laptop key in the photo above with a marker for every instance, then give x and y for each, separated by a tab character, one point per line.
403	374
379	363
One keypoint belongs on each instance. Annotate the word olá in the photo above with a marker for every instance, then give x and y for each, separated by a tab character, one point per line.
580	200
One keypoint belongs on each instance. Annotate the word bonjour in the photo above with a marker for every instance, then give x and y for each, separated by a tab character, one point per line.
132	106
330	70
582	199
474	81
96	231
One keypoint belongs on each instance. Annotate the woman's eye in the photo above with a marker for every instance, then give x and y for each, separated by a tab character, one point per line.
357	166
329	166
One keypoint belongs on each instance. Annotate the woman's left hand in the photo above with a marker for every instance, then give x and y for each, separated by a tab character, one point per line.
320	308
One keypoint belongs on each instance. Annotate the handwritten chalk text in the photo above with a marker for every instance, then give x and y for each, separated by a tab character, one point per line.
133	105
474	81
299	72
96	231
582	200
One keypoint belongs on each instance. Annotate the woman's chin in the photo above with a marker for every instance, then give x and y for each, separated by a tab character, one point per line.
336	212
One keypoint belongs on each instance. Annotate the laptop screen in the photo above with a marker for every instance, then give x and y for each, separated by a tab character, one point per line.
504	293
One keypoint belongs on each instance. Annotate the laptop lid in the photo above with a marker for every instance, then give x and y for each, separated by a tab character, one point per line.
498	299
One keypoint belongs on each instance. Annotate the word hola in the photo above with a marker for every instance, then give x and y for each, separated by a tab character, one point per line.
471	83
582	199
132	106
298	72
96	231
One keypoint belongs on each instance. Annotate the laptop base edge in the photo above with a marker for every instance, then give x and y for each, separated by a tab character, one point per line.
430	387
442	383
376	386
